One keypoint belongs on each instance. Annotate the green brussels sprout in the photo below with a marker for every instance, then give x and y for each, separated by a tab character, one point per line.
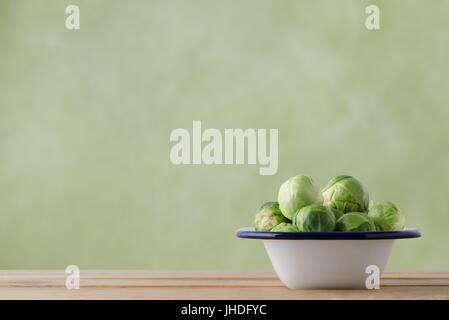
336	213
387	216
314	218
355	221
378	228
284	227
296	193
269	216
346	194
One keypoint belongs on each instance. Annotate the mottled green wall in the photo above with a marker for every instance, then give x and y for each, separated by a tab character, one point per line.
85	119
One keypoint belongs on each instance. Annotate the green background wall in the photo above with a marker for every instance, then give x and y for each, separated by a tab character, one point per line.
85	120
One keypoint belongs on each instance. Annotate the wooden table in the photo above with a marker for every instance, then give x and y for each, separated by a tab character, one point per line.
209	284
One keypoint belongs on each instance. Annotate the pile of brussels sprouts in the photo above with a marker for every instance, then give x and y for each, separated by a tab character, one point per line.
343	205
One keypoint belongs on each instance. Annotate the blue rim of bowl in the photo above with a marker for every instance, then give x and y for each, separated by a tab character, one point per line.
250	233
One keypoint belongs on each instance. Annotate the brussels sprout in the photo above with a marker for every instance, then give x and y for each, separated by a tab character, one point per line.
314	218
355	221
387	216
269	216
336	213
284	227
346	194
296	193
378	228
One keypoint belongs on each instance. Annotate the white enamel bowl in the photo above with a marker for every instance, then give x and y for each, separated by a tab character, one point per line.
327	260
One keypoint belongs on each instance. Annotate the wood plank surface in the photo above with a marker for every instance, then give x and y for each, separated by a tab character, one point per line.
207	284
